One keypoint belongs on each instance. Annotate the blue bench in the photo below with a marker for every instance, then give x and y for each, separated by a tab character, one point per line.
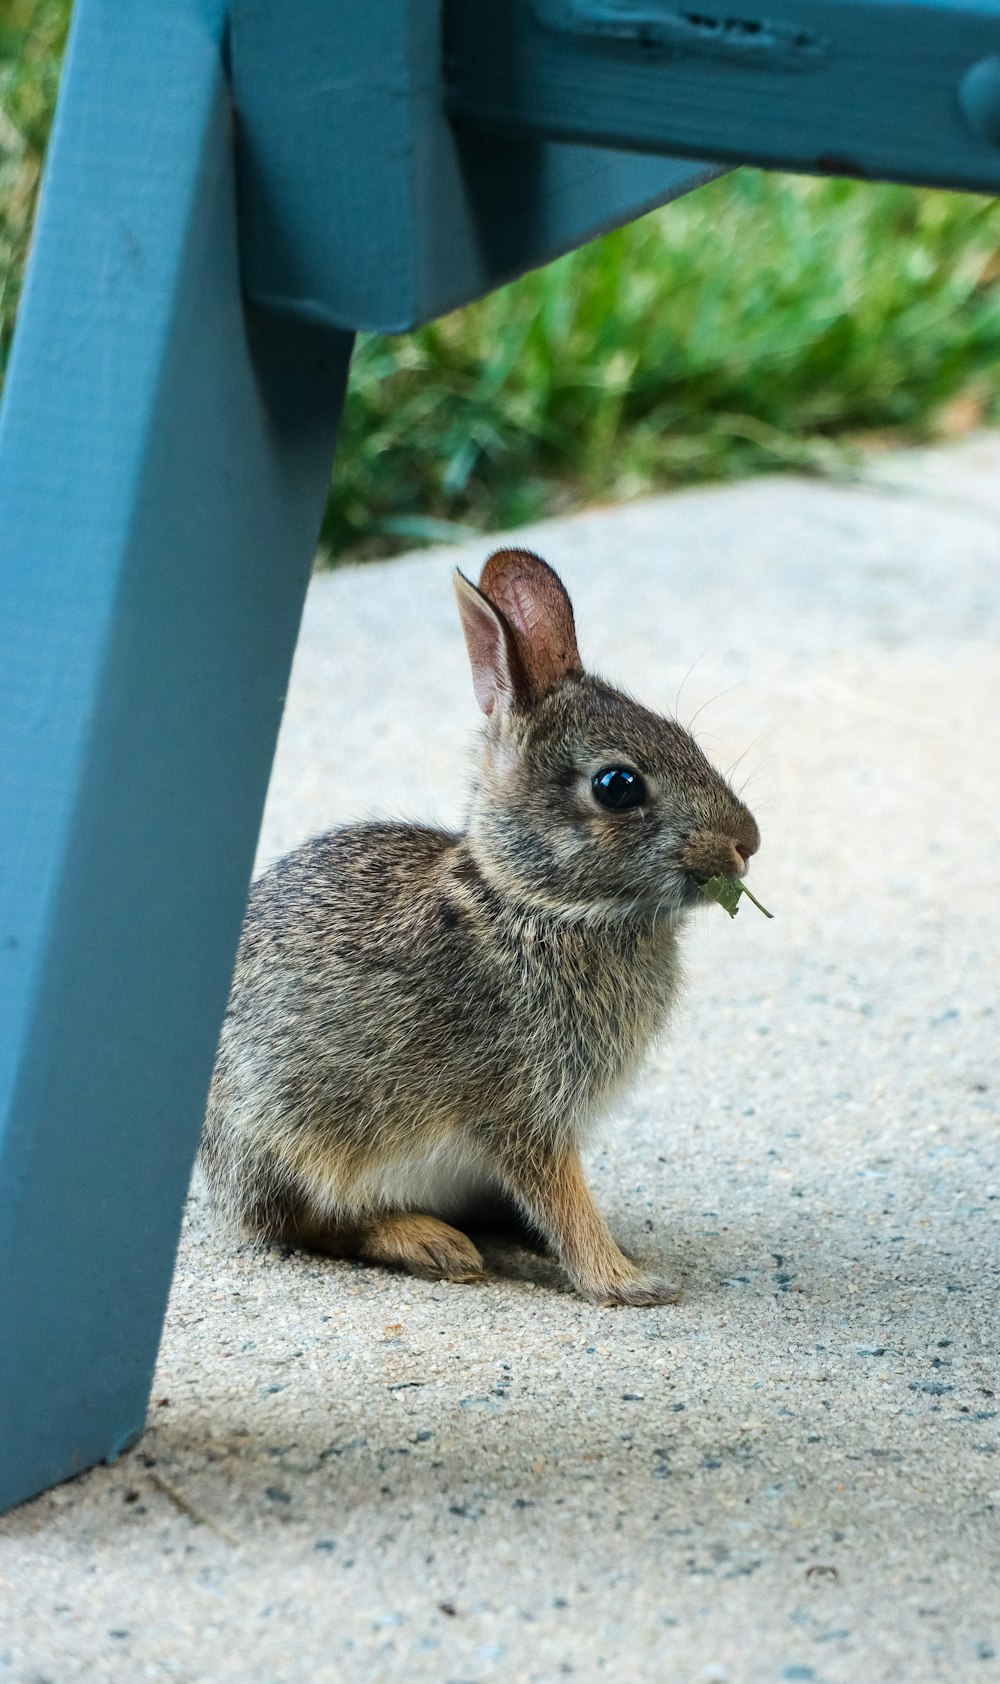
232	191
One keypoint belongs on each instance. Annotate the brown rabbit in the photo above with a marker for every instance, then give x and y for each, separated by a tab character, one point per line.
421	1019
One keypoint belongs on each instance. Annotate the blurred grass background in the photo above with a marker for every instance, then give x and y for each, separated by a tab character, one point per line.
765	321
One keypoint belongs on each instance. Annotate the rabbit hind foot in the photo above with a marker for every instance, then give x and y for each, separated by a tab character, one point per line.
423	1245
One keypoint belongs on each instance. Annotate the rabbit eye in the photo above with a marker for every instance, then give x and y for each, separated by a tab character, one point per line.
618	788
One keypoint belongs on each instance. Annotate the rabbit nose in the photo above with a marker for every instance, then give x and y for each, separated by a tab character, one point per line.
743	851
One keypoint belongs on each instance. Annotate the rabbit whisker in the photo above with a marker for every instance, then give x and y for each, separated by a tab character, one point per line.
716	698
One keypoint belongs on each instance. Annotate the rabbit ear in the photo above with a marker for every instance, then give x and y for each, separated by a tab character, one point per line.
533	602
498	676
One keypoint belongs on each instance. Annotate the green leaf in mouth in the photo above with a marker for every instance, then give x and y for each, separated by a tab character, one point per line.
727	891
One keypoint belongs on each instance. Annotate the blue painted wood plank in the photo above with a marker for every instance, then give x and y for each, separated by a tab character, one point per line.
344	126
895	89
163	466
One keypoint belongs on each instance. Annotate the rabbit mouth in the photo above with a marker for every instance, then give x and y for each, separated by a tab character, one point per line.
714	856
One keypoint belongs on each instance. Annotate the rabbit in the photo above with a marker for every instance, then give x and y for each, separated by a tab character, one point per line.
421	1019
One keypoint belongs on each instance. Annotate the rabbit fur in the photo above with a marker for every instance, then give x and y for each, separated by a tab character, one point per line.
422	1019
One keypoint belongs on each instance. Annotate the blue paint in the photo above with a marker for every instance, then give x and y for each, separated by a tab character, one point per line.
162	476
843	87
364	206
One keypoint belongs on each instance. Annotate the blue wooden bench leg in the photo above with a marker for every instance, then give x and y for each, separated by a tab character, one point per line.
162	474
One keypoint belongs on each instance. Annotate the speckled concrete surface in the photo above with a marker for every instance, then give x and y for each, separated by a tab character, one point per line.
793	1476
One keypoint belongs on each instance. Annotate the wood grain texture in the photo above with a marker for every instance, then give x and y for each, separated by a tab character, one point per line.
849	87
162	476
363	206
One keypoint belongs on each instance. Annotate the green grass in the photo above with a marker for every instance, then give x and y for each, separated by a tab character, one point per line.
32	37
763	322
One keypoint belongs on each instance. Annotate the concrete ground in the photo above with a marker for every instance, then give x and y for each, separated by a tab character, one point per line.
792	1476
